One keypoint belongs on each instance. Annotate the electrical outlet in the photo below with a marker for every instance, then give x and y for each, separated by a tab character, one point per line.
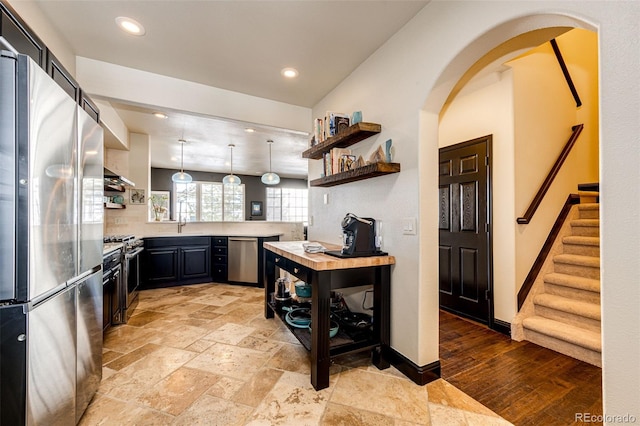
120	221
326	198
311	220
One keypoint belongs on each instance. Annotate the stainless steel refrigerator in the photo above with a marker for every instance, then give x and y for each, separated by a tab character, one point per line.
51	216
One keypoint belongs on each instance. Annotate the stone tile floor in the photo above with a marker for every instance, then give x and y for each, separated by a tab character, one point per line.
205	355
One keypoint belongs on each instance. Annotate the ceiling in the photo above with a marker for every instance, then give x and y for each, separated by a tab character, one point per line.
236	45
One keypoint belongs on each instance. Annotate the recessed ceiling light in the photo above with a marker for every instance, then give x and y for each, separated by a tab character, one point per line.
131	26
289	72
249	130
160	115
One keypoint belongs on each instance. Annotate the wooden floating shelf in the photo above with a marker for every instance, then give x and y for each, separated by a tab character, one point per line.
114	206
353	134
113	187
364	172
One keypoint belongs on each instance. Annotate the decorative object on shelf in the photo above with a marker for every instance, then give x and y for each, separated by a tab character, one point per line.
181	177
159	203
117	199
356	117
231	179
136	196
256	208
387	151
377	156
270	178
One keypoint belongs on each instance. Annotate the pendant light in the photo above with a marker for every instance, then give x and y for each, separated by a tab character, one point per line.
270	178
231	179
181	177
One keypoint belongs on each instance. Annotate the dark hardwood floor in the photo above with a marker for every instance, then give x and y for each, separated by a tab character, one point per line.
522	382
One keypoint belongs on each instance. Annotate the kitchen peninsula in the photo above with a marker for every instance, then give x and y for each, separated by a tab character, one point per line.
325	273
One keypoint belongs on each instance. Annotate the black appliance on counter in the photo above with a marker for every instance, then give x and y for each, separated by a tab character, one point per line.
130	283
358	238
51	217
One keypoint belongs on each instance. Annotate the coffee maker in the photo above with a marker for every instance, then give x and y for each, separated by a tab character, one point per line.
358	237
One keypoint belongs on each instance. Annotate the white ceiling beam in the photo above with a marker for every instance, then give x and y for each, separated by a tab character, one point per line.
103	79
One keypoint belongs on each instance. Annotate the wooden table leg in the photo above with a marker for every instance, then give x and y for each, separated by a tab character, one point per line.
320	310
382	316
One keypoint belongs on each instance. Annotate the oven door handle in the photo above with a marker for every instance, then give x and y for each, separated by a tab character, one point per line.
134	253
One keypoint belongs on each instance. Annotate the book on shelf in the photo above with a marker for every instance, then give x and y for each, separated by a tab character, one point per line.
336	156
318	130
331	121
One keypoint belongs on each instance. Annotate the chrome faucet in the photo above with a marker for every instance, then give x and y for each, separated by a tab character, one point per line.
181	220
181	223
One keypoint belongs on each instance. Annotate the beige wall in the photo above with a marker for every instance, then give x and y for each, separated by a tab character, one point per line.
488	110
545	111
526	109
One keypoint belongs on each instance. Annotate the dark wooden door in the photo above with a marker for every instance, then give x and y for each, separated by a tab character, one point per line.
464	206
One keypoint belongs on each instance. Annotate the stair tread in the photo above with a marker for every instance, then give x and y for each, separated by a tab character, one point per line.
582	240
573	281
586	222
577	259
564	304
569	333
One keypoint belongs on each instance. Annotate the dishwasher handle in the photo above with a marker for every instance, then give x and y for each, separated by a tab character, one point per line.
242	239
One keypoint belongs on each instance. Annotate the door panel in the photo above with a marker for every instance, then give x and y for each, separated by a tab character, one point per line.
464	205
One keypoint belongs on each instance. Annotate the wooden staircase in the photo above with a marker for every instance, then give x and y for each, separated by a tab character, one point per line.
562	311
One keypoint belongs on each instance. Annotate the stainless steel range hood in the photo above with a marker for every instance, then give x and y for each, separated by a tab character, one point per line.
116	179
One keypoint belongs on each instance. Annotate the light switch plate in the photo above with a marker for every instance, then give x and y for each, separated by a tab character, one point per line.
409	226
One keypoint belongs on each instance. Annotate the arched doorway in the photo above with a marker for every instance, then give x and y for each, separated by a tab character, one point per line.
508	252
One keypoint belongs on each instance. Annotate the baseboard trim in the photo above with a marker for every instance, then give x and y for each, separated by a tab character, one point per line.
420	375
501	327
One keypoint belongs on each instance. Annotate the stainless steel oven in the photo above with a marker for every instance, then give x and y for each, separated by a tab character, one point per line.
131	281
111	286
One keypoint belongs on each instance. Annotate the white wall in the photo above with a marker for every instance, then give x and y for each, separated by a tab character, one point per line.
403	86
488	110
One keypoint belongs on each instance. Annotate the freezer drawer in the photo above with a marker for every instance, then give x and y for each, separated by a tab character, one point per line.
243	260
51	365
89	331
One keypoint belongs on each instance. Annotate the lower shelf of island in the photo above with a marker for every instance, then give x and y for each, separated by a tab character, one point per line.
342	343
365	172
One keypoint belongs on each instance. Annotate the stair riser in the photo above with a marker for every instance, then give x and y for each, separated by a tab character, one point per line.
577	270
569	349
572	293
581	249
568	318
585	231
589	214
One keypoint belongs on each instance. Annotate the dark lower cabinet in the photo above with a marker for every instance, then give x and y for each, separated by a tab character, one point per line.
220	258
176	260
162	264
196	262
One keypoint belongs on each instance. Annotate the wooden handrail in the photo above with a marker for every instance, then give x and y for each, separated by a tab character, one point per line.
565	71
535	203
546	249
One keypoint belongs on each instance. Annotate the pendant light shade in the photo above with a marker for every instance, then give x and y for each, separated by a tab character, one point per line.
181	176
231	179
270	178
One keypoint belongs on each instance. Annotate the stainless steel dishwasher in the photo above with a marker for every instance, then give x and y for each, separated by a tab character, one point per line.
243	260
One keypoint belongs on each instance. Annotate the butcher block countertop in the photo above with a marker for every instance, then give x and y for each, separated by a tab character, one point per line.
294	251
